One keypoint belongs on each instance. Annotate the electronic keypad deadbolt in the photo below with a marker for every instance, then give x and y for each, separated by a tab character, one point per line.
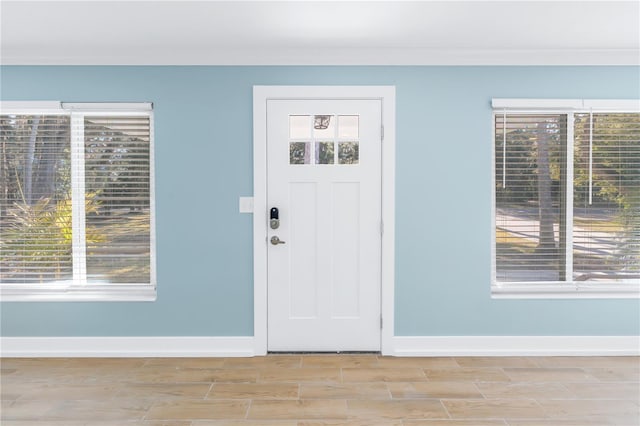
274	221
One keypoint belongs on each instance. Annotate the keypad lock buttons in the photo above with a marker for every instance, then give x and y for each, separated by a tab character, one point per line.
274	218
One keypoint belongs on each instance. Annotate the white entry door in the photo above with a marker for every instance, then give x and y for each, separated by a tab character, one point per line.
324	255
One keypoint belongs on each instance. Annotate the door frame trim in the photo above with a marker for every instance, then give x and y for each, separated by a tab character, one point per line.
261	94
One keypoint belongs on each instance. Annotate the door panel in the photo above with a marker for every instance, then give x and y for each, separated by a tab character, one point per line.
303	279
345	297
324	176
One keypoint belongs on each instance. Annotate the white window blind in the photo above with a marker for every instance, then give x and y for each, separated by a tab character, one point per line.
567	196
117	179
606	197
76	203
530	150
35	199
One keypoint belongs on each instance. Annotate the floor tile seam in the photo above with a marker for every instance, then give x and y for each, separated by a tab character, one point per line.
206	395
23	397
389	392
589	399
294	380
199	369
374	398
428	397
298	369
246	414
201	419
513	421
574	419
543	400
113	398
167	383
613	367
205	400
569	391
477	388
279	398
528	383
144	418
489	400
621	382
589	380
147	361
122	384
435	398
378	399
470	380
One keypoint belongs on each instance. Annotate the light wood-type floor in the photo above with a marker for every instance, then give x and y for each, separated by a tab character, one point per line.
316	390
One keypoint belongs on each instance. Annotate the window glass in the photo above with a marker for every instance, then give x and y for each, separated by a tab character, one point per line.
324	126
117	198
606	231
300	153
35	199
348	126
538	236
529	169
299	126
53	164
348	153
324	153
328	130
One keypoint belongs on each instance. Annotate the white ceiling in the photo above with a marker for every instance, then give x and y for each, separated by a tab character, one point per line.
320	32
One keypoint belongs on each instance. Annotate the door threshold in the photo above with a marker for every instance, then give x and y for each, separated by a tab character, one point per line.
324	353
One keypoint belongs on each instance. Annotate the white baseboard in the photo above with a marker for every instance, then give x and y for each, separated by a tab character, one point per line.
516	346
403	346
183	346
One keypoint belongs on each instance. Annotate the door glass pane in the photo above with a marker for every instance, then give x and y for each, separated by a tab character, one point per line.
324	153
300	153
348	153
348	126
299	127
324	126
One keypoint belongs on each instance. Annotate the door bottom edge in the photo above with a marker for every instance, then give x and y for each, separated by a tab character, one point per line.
323	352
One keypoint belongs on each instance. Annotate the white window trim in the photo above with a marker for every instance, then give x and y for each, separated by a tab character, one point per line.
67	290
629	289
564	105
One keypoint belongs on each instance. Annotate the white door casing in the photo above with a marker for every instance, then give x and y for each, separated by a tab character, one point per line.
327	202
324	179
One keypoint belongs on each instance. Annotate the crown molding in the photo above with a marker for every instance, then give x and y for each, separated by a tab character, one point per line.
319	57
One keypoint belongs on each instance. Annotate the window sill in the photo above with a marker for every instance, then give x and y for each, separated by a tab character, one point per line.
547	290
88	293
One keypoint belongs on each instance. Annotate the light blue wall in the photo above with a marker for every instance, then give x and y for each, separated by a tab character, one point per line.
203	127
